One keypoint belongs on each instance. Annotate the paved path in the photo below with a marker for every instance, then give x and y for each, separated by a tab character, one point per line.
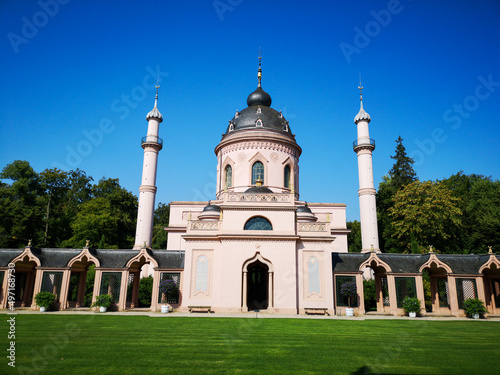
241	315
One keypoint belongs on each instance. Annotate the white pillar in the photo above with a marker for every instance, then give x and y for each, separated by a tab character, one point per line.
151	144
364	147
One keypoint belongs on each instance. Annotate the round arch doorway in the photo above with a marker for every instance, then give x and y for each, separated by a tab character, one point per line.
257	286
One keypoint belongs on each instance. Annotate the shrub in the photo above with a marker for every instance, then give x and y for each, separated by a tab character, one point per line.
474	306
45	299
412	304
104	300
145	291
370	295
168	288
349	290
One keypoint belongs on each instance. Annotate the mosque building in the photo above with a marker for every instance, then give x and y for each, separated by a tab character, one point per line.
257	246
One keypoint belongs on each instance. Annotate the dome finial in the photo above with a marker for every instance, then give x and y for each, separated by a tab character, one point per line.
259	73
362	115
154	113
156	97
360	87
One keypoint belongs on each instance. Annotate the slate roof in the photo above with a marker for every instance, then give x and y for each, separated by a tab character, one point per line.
348	262
169	258
55	257
463	264
109	258
6	255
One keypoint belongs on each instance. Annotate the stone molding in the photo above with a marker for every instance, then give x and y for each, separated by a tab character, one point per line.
148	188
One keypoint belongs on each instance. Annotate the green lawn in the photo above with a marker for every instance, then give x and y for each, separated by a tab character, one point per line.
108	344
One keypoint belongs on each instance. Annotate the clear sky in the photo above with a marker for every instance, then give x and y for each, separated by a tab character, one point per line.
77	82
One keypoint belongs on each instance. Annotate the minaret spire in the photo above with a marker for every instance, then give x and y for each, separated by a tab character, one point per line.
360	87
259	72
364	146
156	97
152	144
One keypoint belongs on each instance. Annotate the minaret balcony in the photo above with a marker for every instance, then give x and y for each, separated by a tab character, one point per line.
152	140
364	143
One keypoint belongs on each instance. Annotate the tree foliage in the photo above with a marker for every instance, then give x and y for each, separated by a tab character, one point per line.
400	175
55	208
354	237
161	220
425	213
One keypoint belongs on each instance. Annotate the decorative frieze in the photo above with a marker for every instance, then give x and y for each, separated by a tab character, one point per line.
260	145
204	225
264	197
313	227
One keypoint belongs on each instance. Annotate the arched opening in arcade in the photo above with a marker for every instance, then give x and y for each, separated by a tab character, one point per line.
139	290
377	272
491	280
81	281
25	273
436	287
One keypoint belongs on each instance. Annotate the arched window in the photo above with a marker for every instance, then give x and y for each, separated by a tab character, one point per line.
258	223
257	172
229	176
286	176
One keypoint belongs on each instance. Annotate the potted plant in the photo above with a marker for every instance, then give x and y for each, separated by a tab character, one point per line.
45	300
474	308
412	306
168	287
103	301
349	290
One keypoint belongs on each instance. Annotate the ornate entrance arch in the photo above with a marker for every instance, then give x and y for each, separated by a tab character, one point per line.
257	284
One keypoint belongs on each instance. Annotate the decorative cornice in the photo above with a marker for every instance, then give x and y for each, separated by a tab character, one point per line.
439	263
492	260
378	262
143	253
27	253
84	253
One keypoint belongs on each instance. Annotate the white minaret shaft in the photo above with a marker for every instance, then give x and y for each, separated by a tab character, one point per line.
363	147
151	144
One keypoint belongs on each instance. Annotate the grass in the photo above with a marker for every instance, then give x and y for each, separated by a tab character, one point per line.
107	344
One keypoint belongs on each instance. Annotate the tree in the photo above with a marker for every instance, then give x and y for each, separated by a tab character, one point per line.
480	203
161	220
123	206
55	186
354	238
400	175
425	213
402	172
95	222
22	215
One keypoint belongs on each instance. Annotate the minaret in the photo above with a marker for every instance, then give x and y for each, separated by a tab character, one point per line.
364	146
151	144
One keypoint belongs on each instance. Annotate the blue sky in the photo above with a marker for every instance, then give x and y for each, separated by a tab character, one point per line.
74	70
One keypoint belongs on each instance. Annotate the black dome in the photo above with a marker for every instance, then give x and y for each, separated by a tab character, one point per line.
271	119
305	209
259	96
258	189
211	207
